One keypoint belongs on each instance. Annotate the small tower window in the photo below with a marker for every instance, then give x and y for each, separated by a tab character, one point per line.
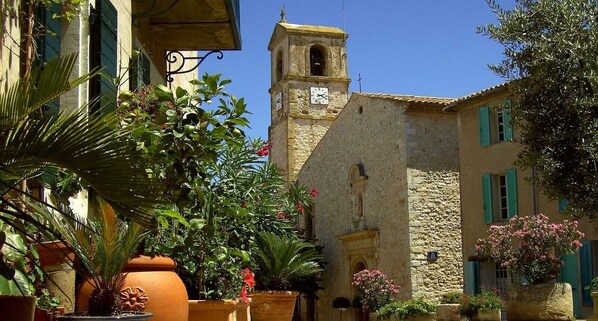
357	181
279	66
317	61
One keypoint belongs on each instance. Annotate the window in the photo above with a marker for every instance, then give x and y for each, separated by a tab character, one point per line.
499	195
358	181
140	72
278	66
495	126
317	61
503	279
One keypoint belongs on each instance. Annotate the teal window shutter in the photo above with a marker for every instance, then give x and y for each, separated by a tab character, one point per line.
484	119
508	123
585	267
487	197
563	204
472	278
49	43
105	48
512	192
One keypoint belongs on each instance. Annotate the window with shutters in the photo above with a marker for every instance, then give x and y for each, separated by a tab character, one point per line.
104	48
495	125
139	72
499	196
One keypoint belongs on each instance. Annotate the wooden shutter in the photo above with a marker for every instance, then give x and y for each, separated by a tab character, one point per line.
585	267
49	43
570	274
472	278
511	176
104	50
484	120
507	121
487	197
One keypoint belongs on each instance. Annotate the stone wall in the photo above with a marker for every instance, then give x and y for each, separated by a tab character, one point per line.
434	206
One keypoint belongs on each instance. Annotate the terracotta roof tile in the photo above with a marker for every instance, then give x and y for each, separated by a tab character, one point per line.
442	101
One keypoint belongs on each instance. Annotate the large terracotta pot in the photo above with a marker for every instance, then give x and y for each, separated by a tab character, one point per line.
17	308
56	260
273	305
549	301
212	310
129	316
151	286
594	315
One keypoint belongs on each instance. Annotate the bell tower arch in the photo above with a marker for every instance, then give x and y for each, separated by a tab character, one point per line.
309	87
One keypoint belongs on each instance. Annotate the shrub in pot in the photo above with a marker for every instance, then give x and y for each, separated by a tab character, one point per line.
374	289
483	307
103	247
412	309
531	246
448	308
280	260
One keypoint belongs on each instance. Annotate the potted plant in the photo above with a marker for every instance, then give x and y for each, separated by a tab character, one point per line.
482	307
448	308
280	260
593	289
103	247
531	246
374	289
16	299
416	309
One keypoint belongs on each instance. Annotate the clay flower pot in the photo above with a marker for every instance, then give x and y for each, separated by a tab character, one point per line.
18	308
594	315
151	285
273	305
212	310
448	312
126	316
487	315
548	301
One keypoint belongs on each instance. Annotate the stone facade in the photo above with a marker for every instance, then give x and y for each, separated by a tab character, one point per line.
387	171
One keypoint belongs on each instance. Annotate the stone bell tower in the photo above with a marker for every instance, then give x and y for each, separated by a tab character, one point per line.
310	86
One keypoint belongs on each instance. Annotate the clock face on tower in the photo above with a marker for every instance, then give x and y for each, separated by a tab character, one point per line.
278	100
319	95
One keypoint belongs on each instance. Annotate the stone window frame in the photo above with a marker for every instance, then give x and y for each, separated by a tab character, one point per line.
323	50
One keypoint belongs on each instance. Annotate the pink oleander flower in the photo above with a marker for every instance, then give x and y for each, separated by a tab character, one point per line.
300	207
374	288
281	215
531	246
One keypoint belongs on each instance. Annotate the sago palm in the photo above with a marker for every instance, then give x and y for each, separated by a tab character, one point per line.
282	260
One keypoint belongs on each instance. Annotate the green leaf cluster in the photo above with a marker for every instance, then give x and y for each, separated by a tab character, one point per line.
550	50
405	309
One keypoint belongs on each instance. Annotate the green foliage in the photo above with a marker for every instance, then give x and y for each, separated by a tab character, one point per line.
103	246
550	58
405	309
13	279
281	260
593	287
487	300
221	192
451	298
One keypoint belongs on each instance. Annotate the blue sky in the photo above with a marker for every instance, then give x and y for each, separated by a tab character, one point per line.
416	47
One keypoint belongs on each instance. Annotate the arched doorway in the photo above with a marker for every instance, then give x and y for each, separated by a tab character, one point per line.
361	314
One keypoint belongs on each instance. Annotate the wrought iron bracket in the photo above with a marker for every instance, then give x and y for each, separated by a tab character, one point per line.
174	56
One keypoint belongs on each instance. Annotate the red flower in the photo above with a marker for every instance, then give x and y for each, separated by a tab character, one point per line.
248	278
243	205
300	207
265	150
314	192
281	215
244	295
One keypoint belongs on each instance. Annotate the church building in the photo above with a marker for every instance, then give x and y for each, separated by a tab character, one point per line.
386	166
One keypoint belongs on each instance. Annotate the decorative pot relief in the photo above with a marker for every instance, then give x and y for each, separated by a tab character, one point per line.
133	299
